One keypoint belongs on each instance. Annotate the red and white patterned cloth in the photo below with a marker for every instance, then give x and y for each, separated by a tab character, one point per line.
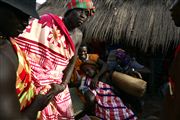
49	48
108	105
24	85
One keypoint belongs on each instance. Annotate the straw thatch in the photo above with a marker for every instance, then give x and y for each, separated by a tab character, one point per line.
142	23
53	6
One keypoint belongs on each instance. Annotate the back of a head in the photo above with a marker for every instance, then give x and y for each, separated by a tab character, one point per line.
26	6
87	64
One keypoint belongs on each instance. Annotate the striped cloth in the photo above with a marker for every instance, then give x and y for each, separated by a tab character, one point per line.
108	105
24	87
49	48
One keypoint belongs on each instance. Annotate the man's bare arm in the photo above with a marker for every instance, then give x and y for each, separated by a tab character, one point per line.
10	106
69	69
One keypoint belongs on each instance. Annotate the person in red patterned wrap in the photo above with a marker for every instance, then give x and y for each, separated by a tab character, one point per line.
103	101
51	44
18	100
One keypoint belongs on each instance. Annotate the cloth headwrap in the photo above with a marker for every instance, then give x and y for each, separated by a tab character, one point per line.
83	4
123	57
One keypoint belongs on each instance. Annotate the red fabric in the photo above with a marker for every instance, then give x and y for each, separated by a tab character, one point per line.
108	105
64	30
49	48
24	85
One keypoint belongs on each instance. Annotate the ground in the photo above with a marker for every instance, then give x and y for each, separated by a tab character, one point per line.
152	107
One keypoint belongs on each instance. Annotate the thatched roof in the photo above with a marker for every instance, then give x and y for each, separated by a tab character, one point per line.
143	23
53	6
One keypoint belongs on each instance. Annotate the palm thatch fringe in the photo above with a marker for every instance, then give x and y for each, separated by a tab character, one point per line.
53	6
146	23
143	23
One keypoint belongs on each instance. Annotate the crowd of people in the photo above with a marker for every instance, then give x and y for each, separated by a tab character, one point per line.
41	55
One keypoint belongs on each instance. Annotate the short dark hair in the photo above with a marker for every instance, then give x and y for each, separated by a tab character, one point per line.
88	63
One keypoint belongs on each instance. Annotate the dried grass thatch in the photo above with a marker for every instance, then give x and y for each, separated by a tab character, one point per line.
53	6
142	23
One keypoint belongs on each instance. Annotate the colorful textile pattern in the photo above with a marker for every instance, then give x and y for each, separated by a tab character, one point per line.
49	48
108	105
24	86
83	4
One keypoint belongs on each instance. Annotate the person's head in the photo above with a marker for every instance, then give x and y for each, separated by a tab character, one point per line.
122	57
175	12
82	53
14	16
78	12
89	68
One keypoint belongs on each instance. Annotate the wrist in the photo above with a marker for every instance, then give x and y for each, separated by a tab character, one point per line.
63	84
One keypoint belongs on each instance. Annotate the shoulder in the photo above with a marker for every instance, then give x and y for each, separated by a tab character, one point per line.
78	33
77	37
93	57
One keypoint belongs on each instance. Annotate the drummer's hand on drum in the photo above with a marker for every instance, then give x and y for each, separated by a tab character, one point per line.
135	73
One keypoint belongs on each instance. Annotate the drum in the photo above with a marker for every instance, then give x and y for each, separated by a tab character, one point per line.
133	86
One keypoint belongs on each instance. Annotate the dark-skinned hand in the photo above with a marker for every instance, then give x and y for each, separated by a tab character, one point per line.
90	97
94	83
41	101
57	88
134	73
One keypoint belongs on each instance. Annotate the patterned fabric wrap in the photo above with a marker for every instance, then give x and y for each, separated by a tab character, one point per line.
83	4
49	48
24	86
108	105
